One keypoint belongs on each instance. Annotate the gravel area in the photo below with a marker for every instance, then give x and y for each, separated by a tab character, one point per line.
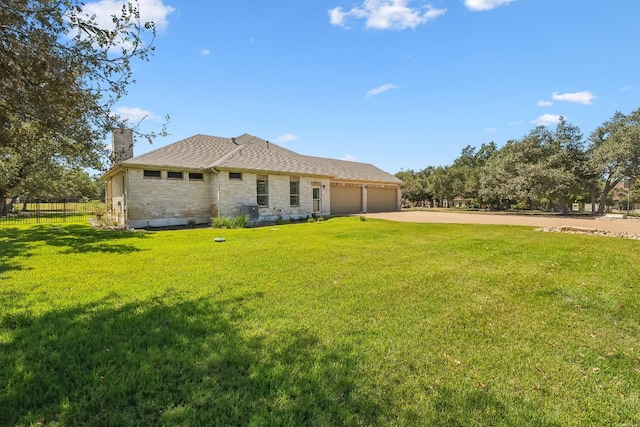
625	228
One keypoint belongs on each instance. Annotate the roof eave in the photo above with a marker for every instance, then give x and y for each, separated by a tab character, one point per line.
111	172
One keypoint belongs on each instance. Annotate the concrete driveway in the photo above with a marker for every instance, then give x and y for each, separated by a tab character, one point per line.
629	226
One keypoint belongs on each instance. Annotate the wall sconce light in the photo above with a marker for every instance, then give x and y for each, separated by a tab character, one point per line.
323	186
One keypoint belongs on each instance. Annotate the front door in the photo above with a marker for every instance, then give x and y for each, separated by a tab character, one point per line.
317	201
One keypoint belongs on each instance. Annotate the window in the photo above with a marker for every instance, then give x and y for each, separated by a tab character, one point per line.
235	175
294	191
262	189
174	175
151	174
193	176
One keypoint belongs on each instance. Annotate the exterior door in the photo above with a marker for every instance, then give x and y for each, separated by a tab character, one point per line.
317	200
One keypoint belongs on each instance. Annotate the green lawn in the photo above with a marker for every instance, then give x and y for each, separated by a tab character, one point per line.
341	322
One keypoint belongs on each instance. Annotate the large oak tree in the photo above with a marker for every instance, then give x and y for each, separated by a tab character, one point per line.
614	152
60	75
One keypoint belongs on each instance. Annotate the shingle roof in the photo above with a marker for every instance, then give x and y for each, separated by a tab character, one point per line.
197	151
248	152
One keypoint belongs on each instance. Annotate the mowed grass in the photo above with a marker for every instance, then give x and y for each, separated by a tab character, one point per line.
341	322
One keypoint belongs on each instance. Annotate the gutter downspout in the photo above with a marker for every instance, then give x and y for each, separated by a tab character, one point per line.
126	197
218	190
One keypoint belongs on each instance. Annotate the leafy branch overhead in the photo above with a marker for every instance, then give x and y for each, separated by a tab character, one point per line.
62	72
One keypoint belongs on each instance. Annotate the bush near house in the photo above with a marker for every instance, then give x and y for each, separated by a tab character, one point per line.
239	221
352	323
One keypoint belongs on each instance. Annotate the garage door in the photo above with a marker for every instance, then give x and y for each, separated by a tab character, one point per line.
346	199
381	199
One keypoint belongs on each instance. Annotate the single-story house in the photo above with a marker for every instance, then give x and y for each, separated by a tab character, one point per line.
204	176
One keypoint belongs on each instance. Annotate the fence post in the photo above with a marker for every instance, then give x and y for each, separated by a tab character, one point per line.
37	211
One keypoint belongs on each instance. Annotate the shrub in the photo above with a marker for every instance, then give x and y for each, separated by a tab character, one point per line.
239	221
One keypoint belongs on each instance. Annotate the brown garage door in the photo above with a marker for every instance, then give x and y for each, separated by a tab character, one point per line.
381	199
346	199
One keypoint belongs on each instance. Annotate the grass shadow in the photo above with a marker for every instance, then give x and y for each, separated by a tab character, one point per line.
72	238
455	408
186	364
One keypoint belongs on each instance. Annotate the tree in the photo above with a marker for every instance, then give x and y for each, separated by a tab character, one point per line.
415	190
614	152
542	169
565	165
467	169
441	183
61	75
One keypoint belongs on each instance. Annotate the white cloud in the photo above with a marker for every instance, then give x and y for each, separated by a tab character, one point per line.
516	123
380	89
135	114
205	52
625	88
491	130
480	5
547	119
349	158
543	103
386	14
585	97
150	10
287	137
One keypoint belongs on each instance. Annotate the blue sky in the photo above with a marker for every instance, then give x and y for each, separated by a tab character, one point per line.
398	83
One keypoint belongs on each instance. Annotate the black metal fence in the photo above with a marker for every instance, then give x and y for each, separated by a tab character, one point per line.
38	211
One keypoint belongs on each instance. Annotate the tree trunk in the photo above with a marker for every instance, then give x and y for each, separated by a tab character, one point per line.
4	207
564	208
608	185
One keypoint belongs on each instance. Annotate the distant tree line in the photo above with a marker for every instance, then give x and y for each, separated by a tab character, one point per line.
547	169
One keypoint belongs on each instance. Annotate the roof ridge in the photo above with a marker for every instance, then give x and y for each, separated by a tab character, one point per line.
225	157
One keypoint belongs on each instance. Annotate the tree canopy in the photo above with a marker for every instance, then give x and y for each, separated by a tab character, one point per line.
546	169
61	75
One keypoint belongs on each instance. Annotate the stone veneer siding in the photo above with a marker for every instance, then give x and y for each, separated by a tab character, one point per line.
234	193
159	202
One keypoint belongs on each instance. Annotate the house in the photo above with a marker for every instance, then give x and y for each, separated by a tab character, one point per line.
204	176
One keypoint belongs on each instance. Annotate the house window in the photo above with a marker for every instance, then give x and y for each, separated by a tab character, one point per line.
262	189
193	176
235	175
174	175
151	174
294	191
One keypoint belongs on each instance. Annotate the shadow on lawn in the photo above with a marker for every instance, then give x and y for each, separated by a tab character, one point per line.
186	364
454	408
72	238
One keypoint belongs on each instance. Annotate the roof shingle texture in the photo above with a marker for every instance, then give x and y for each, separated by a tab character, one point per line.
248	152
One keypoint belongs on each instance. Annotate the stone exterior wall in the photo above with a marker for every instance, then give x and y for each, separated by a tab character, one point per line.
115	196
234	193
159	202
